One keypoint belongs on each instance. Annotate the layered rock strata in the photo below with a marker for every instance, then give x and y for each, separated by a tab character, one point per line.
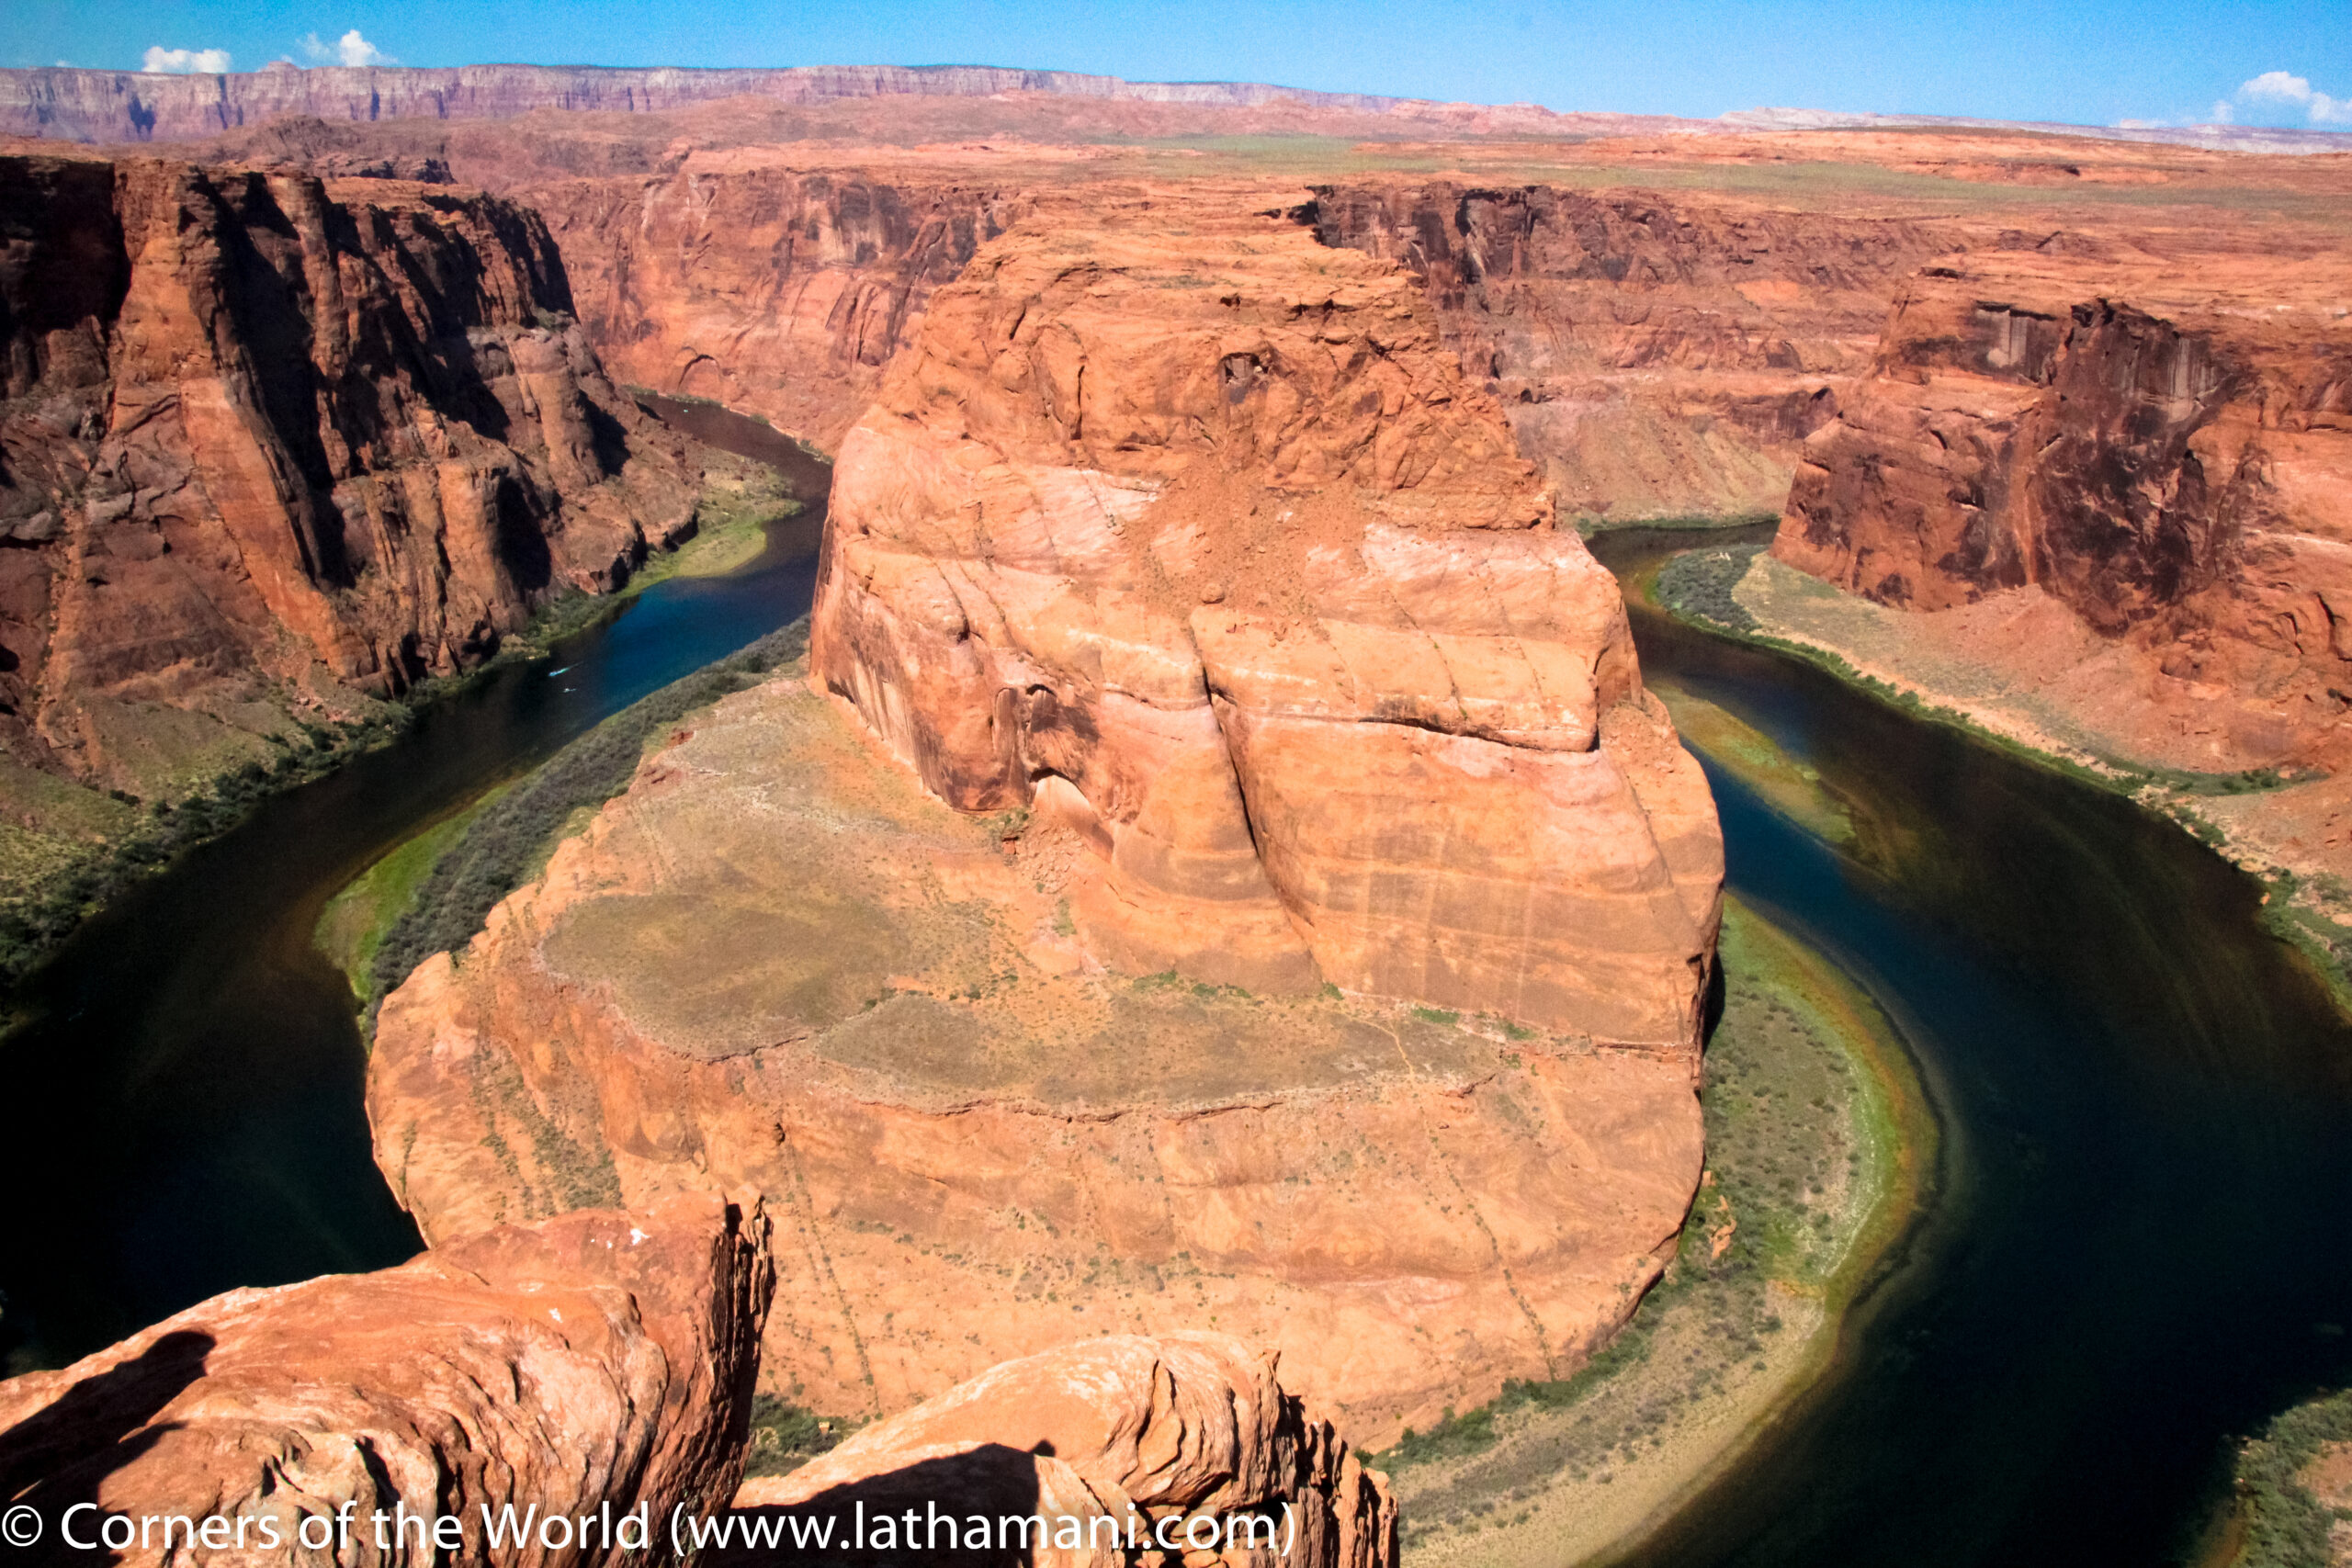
2163	448
1185	531
268	442
778	963
777	291
1194	1431
594	1365
1659	357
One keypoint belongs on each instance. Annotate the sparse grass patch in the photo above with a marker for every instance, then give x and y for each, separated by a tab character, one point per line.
509	840
352	925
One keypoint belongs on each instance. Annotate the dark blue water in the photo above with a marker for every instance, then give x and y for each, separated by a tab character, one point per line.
2138	1249
183	1111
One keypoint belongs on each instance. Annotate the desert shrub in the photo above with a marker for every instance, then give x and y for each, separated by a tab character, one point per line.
1699	584
2287	1526
784	1436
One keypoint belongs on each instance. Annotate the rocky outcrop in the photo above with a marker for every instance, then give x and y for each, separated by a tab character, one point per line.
593	1367
267	441
777	291
1185	531
1659	357
1191	1432
2164	447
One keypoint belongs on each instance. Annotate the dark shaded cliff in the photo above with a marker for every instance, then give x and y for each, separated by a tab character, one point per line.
269	444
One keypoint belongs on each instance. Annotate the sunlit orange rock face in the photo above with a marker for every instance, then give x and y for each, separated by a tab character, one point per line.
1184	530
269	439
2163	446
1189	1426
596	1364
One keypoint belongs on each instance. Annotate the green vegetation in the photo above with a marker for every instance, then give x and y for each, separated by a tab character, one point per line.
1696	586
1791	787
2312	916
784	1436
1591	523
1819	1142
2286	1524
508	842
352	926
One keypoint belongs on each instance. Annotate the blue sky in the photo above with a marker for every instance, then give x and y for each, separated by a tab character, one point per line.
2083	61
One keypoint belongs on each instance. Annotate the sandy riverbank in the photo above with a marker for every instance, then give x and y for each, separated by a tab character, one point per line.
1819	1145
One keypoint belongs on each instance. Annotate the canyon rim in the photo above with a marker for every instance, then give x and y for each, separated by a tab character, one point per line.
1180	979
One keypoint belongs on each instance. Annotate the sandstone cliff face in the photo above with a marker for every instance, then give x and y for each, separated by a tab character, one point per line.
1194	1426
2165	448
266	440
775	292
1185	531
601	1358
1659	357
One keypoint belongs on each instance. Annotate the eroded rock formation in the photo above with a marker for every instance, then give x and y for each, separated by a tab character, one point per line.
1185	531
1252	724
1660	357
1167	1432
2163	446
597	1358
267	441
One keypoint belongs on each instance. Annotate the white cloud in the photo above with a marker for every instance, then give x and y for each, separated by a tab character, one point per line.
2223	113
349	49
183	61
2277	90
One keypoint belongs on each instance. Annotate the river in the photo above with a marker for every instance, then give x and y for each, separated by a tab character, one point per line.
2137	1246
184	1105
2135	1249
